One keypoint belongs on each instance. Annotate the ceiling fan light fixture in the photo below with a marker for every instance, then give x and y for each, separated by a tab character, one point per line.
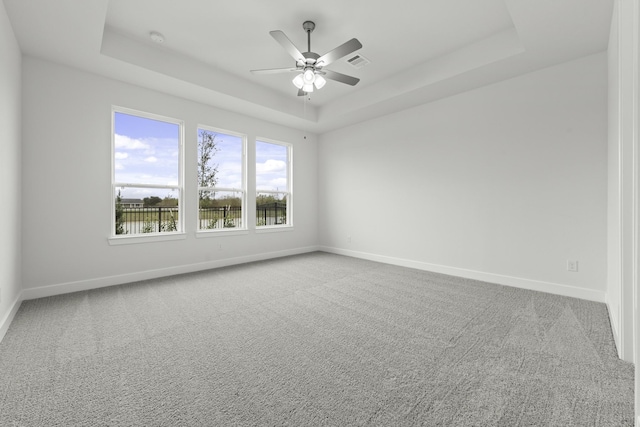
309	67
309	76
319	81
298	81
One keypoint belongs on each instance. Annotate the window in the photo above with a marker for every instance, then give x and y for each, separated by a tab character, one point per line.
146	174
273	184
221	180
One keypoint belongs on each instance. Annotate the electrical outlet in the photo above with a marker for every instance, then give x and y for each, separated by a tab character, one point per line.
572	266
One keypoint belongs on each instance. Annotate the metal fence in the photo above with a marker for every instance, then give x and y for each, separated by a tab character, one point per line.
271	214
149	220
220	217
162	219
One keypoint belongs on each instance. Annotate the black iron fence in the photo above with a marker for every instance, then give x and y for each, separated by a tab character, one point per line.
149	220
271	214
161	219
219	217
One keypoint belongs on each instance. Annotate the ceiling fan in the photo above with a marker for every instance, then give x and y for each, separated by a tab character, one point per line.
309	65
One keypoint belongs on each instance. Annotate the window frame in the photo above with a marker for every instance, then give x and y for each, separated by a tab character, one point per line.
243	200
115	239
288	226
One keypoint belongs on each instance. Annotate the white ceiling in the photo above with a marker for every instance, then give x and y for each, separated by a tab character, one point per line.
420	50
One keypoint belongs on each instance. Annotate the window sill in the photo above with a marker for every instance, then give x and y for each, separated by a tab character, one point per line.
273	228
220	233
132	240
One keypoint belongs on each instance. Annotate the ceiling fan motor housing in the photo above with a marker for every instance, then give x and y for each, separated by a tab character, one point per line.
310	59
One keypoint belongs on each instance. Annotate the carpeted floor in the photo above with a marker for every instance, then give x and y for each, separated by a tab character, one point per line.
311	340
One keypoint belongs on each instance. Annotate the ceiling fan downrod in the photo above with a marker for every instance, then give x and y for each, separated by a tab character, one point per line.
308	26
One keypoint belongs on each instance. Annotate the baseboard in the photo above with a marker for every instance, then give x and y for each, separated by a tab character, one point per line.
516	282
4	323
101	282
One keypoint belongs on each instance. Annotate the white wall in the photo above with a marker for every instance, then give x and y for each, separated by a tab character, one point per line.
66	179
614	287
504	183
624	182
10	113
621	176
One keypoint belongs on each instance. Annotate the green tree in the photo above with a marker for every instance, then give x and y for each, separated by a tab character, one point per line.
207	170
170	224
151	201
148	225
264	199
168	202
119	215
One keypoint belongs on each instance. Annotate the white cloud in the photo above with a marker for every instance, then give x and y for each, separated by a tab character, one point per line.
280	183
151	159
127	143
269	183
120	155
271	166
119	166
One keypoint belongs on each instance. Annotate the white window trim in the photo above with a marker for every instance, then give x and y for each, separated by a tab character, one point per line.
221	232
124	239
273	228
243	191
120	239
289	191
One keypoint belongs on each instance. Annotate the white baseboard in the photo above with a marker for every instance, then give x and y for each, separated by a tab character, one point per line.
100	282
516	282
4	323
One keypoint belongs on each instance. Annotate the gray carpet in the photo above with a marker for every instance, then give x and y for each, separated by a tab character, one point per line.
312	340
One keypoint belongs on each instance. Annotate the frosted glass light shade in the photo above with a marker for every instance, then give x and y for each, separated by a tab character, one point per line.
319	82
309	76
298	81
308	87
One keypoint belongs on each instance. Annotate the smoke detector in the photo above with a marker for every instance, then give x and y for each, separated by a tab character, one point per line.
156	37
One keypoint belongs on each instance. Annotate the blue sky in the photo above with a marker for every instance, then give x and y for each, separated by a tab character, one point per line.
147	151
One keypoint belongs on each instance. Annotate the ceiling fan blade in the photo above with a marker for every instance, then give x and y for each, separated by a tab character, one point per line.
339	77
301	92
337	53
287	45
274	70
